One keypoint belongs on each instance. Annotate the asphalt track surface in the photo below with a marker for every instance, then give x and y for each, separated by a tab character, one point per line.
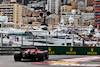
8	61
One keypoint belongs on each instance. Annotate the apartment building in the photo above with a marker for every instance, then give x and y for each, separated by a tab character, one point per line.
13	11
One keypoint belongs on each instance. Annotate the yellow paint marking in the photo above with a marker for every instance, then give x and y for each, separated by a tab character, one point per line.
62	62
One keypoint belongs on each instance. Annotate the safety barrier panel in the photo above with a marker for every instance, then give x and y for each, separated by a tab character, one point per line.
58	50
71	50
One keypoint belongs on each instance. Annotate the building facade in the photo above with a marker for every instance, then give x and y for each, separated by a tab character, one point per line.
54	6
90	2
65	8
53	20
97	14
13	11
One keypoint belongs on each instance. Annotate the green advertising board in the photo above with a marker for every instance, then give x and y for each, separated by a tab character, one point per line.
71	50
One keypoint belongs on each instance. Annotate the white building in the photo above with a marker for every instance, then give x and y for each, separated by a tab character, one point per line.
54	6
67	16
77	18
86	16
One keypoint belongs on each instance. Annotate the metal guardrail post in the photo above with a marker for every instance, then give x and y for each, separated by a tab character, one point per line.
1	38
65	40
72	40
33	39
1	35
46	38
11	49
98	42
1	50
22	38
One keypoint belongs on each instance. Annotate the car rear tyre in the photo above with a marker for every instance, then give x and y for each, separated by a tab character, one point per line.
46	56
17	56
41	56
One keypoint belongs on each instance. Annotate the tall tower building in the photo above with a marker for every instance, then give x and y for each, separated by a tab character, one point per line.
97	14
54	6
81	4
64	2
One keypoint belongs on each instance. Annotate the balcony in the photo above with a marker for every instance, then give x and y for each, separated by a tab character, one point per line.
97	13
97	16
97	8
97	19
97	3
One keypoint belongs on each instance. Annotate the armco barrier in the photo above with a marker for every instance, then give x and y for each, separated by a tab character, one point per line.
8	50
71	50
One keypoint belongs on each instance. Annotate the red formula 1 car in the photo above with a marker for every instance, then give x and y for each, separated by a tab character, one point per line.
31	52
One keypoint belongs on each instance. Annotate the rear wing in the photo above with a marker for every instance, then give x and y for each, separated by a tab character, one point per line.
28	47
